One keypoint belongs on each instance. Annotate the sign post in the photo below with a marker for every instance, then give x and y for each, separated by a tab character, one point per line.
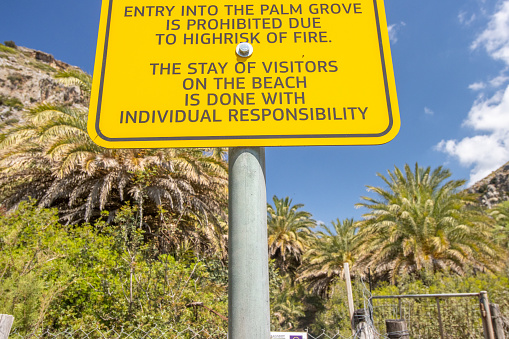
248	272
243	75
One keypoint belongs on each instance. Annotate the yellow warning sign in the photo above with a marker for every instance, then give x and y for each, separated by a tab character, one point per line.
202	74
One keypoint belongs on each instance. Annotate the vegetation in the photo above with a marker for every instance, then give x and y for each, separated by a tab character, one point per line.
56	277
323	262
101	238
424	223
289	232
501	215
460	315
10	44
7	49
51	158
11	102
42	66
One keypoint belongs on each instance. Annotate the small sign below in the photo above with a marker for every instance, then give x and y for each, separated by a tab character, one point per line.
288	335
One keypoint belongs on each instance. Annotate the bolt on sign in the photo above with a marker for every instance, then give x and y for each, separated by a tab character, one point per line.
256	73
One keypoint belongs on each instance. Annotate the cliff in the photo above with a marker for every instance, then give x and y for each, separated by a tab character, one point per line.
494	188
27	79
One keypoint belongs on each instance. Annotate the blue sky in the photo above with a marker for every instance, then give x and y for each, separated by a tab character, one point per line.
451	61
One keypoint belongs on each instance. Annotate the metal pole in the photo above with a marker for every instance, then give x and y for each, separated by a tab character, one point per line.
440	323
248	272
400	308
486	315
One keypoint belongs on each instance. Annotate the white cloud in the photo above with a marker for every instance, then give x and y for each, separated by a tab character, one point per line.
489	150
393	31
496	82
489	116
499	80
473	152
477	86
495	38
464	19
428	111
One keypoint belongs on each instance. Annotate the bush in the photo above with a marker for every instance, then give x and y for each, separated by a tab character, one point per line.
98	277
10	44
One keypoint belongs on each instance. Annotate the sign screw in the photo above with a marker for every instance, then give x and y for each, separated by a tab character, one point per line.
244	49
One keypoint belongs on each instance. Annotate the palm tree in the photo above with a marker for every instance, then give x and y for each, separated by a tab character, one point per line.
323	262
501	215
289	232
423	222
51	158
287	310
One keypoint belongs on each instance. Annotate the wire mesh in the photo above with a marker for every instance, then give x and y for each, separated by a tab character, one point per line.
136	333
431	317
426	318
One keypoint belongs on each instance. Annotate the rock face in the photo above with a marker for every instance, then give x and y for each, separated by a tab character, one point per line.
27	79
493	189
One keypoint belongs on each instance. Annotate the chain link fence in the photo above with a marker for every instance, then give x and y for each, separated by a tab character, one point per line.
427	316
154	333
137	333
433	316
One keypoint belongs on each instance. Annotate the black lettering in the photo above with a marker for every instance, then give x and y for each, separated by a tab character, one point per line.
161	119
363	112
230	115
145	115
131	116
254	112
177	116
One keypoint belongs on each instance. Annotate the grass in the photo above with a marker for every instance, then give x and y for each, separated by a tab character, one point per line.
6	49
42	66
11	102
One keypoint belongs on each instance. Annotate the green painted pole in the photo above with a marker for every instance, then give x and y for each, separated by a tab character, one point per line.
248	270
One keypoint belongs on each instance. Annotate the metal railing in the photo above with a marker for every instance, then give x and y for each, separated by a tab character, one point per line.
437	315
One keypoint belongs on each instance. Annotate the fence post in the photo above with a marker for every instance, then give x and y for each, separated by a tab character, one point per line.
440	323
363	329
400	306
346	270
486	315
496	319
5	325
397	329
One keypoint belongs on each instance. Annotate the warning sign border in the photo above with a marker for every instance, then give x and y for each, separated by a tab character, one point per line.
253	136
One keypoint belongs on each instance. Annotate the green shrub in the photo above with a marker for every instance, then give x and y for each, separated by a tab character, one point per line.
10	44
57	278
11	102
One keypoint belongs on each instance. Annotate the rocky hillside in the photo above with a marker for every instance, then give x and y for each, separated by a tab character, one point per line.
493	189
26	79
